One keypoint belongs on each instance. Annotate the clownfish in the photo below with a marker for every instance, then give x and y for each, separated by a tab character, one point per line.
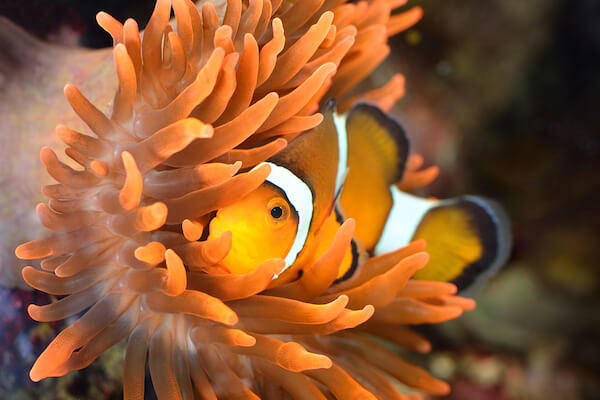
348	167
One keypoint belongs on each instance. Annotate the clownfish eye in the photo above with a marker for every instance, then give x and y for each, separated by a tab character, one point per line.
278	210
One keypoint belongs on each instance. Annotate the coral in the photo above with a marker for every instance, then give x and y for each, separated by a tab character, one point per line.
197	108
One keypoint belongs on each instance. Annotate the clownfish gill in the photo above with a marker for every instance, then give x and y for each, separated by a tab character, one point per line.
348	167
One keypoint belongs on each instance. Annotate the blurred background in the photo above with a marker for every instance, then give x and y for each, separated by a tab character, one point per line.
503	95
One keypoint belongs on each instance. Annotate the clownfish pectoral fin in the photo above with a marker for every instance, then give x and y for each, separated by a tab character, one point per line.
377	149
468	238
354	255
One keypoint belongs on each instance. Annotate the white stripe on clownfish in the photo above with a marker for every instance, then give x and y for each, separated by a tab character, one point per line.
402	222
342	169
300	197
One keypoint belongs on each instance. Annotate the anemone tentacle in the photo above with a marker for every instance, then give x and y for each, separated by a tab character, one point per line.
199	105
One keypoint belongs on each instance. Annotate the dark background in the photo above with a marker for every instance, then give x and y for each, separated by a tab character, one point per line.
503	96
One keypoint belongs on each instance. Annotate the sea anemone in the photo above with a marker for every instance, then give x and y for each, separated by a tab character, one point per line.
197	108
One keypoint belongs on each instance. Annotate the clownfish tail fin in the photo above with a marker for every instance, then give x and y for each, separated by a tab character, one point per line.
468	239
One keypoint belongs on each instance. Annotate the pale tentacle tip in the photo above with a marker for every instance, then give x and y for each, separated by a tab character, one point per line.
342	299
130	194
289	353
453	312
99	167
325	362
69	89
420	259
192	230
198	129
272	96
46	153
34	375
218	51
25	272
468	304
230	318
32	250
266	169
61	129
121	48
32	310
40	208
19	251
442	388
243	339
235	167
417	10
219	252
130	21
423	347
207	131
151	253
127	158
158	210
330	68
454	290
349	224
152	217
100	15
176	274
368	311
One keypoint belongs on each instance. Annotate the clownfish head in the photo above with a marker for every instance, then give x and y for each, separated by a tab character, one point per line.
271	222
280	218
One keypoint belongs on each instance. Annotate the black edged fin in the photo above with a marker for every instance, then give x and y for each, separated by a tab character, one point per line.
356	253
380	134
356	261
468	240
377	153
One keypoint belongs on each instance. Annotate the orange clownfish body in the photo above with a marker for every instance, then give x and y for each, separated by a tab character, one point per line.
347	167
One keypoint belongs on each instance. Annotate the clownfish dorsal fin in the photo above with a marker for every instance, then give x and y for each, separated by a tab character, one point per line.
468	238
314	157
377	149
